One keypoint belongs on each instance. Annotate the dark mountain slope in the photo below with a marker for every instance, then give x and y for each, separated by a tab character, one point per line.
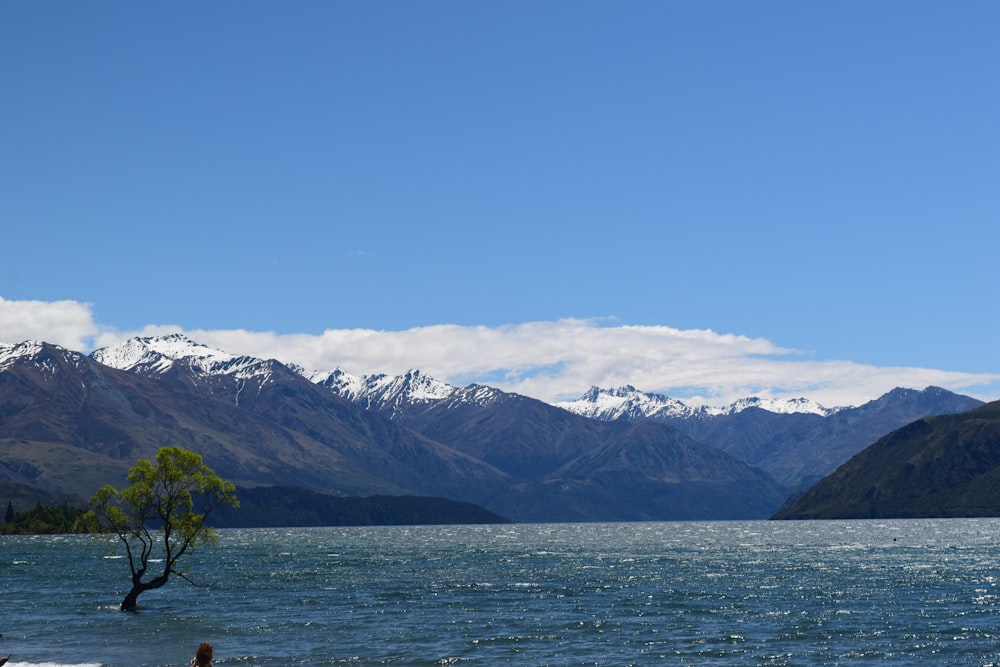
644	472
399	459
522	436
69	424
945	466
573	468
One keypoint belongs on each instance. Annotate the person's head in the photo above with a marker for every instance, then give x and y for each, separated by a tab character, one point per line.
204	654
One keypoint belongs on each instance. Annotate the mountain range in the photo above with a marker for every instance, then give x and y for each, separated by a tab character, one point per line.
796	441
70	423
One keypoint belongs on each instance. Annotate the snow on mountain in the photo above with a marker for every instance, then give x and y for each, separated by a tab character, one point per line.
156	355
412	385
382	392
391	393
478	394
626	403
11	353
780	406
45	356
629	403
339	381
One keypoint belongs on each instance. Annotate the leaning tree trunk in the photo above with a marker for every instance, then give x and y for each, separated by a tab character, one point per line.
130	602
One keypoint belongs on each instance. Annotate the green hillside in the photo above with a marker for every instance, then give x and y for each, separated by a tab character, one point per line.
947	466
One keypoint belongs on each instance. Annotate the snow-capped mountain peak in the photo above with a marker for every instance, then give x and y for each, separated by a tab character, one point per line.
157	355
392	393
9	353
47	356
629	403
478	394
383	391
626	403
339	381
414	386
777	405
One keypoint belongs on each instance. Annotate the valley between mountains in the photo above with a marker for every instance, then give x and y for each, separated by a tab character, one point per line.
70	423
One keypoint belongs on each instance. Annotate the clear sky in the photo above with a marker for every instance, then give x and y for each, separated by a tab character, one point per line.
699	197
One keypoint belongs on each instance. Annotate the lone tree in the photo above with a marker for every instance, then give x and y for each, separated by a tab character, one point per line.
161	516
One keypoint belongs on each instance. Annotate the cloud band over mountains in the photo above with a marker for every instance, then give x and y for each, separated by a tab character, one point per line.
555	360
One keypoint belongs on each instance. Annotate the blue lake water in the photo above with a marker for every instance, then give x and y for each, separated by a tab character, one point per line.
917	592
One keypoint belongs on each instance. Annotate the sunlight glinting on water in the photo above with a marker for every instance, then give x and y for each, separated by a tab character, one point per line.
762	593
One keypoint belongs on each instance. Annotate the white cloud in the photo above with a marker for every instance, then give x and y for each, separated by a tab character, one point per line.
547	360
66	323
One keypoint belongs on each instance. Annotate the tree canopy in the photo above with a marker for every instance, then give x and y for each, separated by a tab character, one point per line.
161	516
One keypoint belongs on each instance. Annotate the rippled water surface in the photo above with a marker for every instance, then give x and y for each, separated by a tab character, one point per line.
722	593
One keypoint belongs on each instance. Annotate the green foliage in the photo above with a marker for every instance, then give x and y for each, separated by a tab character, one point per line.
161	516
44	520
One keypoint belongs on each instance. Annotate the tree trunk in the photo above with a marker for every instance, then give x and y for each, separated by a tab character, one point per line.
129	603
138	586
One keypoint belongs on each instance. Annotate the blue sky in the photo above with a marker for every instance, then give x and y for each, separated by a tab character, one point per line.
808	189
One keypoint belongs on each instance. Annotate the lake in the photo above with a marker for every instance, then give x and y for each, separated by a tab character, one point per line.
906	592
